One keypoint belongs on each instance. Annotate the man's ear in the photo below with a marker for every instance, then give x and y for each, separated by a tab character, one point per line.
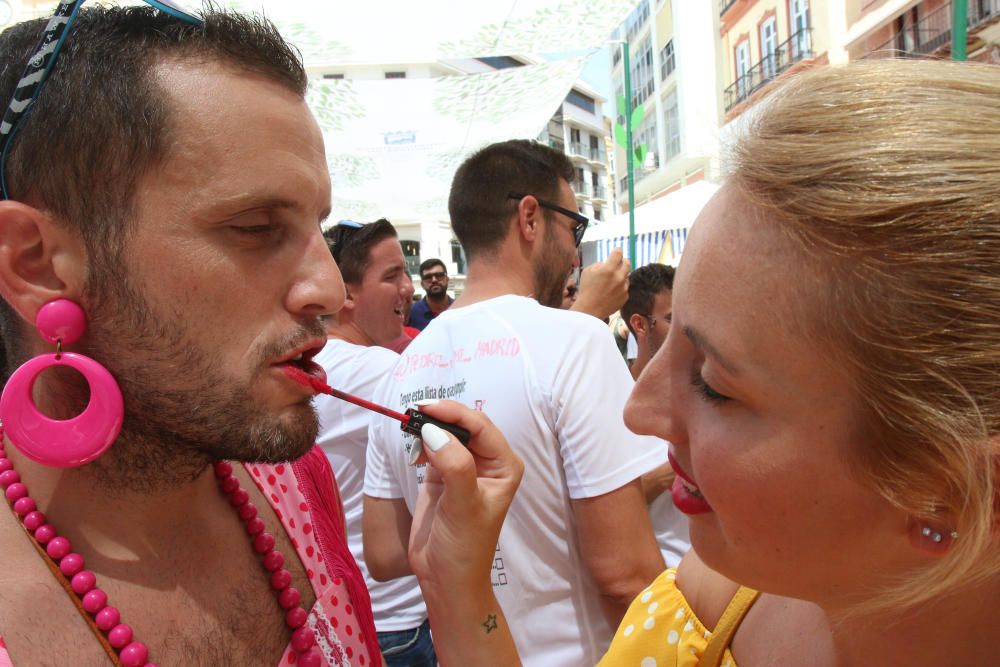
529	219
640	325
349	303
39	260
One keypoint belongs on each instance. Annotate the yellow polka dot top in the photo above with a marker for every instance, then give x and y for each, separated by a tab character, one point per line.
660	630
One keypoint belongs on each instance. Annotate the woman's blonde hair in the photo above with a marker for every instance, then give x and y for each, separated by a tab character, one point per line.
887	175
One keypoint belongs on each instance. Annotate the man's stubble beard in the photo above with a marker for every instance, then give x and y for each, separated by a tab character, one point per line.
549	272
182	411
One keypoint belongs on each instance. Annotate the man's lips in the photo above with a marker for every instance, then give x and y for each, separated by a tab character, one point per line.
685	493
305	373
299	365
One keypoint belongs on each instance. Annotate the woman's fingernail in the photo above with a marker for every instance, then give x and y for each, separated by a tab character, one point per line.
415	449
427	401
434	436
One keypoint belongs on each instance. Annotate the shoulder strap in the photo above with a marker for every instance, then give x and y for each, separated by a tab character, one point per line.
727	625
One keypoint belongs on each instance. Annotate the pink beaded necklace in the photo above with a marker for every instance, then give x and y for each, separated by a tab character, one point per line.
104	620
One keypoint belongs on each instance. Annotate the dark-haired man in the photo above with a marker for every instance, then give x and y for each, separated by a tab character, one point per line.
434	280
647	314
577	544
378	288
170	179
647	311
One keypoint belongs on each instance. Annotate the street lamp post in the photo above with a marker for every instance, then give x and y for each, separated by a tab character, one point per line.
629	153
959	24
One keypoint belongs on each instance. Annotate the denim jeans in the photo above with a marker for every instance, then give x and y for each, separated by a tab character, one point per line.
408	648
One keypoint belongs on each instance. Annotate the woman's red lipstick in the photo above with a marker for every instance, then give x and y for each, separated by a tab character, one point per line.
684	492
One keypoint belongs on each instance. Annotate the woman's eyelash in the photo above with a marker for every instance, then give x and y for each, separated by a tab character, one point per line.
705	391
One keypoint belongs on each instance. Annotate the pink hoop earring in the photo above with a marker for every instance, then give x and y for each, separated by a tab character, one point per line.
70	442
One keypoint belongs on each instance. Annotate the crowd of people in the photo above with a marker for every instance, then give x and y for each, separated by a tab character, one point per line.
799	468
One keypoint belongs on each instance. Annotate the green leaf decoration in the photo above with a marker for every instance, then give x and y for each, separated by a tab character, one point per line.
637	114
640	155
620	137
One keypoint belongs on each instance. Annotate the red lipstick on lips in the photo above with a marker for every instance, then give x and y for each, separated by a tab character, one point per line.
686	500
410	422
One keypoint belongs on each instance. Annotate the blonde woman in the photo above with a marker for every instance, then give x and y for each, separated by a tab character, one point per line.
831	387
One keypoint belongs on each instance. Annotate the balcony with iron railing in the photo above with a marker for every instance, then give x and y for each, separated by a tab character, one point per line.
726	4
583	189
933	31
594	154
600	192
794	49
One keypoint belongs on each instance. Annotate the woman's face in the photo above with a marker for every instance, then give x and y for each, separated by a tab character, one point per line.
764	421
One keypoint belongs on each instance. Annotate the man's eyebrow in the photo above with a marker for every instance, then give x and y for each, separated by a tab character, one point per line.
701	343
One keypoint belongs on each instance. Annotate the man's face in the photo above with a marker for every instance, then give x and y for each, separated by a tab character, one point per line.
660	319
434	280
558	254
225	274
381	298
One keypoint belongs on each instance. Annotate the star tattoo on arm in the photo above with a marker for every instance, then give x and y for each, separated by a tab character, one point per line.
491	623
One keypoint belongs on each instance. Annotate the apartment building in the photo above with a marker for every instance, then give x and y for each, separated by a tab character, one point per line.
920	28
578	129
762	40
673	76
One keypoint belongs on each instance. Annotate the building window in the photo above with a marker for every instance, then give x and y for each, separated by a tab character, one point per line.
646	136
578	99
667	63
798	11
458	257
597	214
742	68
501	62
635	20
671	126
642	73
411	253
768	47
395	75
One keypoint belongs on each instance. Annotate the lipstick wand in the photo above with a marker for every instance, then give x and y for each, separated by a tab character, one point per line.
410	422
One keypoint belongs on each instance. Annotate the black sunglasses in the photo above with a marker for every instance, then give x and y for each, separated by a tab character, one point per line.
343	231
40	65
580	219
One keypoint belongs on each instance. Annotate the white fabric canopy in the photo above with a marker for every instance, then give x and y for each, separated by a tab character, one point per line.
393	145
402	31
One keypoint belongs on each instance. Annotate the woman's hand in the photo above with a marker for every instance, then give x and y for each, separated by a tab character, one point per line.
464	498
456	524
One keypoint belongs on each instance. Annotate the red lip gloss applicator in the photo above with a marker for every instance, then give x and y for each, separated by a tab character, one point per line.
410	421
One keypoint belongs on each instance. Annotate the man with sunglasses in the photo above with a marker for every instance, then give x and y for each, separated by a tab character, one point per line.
163	172
434	280
577	543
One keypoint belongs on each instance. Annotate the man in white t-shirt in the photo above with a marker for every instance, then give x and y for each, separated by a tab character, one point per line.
577	544
378	288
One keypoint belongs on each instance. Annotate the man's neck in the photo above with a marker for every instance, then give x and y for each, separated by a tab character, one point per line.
437	302
484	282
113	492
